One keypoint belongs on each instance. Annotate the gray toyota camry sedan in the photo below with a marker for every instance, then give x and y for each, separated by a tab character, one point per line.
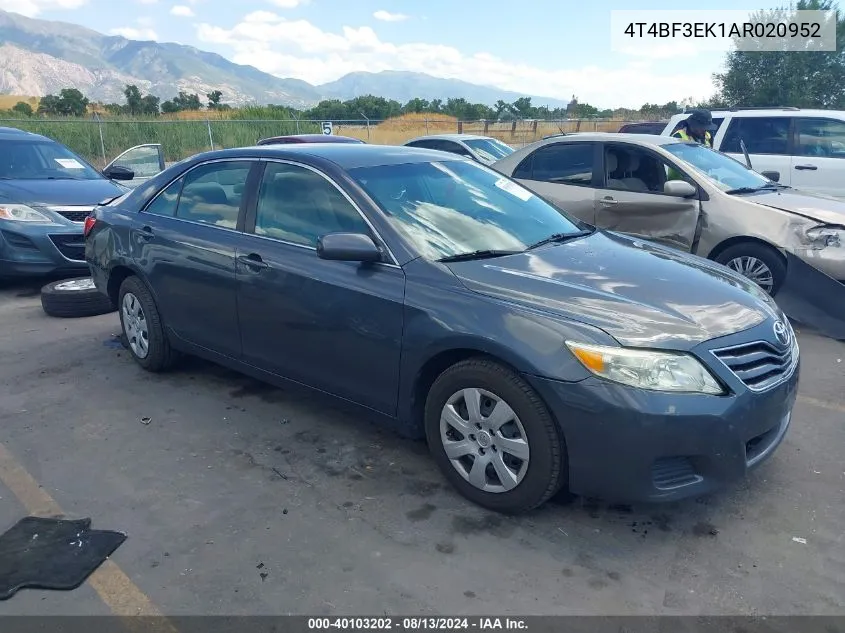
534	352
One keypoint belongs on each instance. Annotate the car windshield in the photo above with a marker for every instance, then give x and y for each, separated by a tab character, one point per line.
42	160
449	208
490	148
725	172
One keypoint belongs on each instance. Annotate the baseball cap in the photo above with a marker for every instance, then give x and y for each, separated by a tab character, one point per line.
702	118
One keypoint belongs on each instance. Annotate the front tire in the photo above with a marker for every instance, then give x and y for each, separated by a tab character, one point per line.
493	437
142	327
760	263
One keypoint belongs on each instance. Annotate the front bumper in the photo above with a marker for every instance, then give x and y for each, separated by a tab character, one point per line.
829	260
41	249
627	444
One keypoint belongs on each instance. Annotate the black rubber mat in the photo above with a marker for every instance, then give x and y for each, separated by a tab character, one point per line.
41	553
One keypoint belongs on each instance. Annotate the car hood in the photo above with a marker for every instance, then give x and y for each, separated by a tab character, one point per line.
640	293
815	206
58	192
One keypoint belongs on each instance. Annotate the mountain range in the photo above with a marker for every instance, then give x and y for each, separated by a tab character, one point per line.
39	57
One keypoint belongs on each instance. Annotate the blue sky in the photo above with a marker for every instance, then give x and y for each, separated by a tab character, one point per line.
538	47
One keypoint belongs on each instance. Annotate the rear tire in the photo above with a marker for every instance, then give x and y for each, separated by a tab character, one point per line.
142	327
73	298
523	459
760	263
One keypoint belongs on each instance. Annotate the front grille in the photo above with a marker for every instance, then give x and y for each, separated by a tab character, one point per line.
73	213
759	365
673	472
71	246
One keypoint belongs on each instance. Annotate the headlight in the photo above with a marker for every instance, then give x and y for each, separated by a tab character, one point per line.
23	213
822	236
657	371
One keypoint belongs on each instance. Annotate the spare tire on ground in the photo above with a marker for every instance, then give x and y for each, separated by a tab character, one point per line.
71	298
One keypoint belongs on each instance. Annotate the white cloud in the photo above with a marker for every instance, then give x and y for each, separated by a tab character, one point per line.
31	8
131	33
386	16
288	4
297	48
182	11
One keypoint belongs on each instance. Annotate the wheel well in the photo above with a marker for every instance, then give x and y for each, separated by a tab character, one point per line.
435	366
733	241
116	277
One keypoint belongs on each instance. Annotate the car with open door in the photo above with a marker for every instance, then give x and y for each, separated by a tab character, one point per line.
145	161
46	192
532	351
689	197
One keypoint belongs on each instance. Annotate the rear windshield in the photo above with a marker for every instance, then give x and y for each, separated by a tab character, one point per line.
42	160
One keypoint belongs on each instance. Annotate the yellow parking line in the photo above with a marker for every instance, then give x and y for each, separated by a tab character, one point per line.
823	404
113	586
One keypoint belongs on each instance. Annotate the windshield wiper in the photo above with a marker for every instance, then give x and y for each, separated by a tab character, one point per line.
739	190
559	238
482	254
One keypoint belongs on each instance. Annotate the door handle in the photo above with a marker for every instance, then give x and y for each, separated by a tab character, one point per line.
253	261
607	200
146	233
806	167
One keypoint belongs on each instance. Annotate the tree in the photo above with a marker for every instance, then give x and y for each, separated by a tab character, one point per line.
214	100
69	102
150	105
806	79
187	101
168	107
134	100
21	107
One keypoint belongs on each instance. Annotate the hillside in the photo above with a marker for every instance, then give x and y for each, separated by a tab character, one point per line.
404	86
39	57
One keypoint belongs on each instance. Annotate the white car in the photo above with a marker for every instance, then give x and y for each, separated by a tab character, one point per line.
805	147
484	149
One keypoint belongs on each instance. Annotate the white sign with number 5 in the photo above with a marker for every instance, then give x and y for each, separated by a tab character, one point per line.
327	127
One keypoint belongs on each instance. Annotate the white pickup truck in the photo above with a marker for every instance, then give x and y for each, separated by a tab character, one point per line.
806	148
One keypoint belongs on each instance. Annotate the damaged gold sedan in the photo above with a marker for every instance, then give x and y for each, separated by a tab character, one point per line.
690	197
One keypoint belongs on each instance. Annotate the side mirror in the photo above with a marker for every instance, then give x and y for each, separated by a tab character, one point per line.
679	189
116	172
348	247
774	176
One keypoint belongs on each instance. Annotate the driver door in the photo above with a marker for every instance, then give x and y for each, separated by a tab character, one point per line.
145	160
630	198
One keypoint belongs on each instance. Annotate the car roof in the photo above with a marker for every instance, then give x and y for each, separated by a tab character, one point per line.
769	112
313	138
648	139
16	134
344	155
452	137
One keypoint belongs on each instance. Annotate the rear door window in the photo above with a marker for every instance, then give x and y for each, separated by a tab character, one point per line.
823	138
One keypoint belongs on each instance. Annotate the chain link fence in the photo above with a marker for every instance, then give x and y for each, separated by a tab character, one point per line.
99	140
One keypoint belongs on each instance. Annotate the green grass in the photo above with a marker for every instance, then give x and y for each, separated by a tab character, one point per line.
179	139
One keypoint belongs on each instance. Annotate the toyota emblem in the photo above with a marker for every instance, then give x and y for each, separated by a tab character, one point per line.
781	333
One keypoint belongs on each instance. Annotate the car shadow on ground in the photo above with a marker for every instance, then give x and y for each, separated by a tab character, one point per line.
314	454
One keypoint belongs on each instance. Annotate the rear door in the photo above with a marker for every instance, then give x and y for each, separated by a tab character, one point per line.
565	174
818	163
768	141
145	160
630	197
185	243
